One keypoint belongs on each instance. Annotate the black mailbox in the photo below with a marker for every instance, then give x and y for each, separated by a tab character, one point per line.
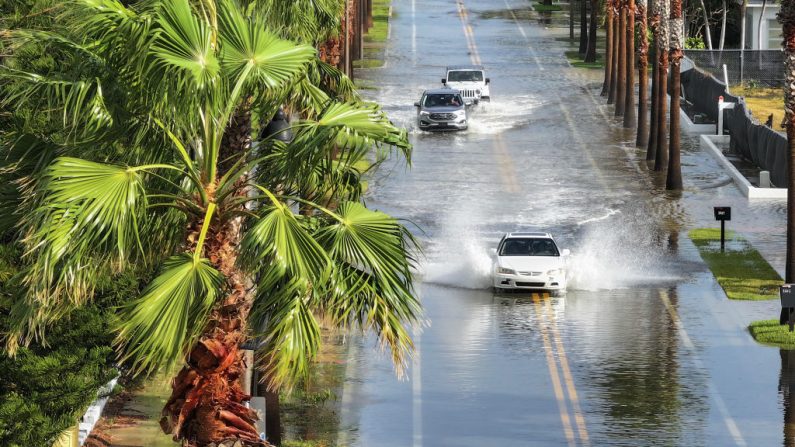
787	295
723	213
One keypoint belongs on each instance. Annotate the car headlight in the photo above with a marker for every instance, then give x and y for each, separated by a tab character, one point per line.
461	112
477	92
555	272
424	113
506	271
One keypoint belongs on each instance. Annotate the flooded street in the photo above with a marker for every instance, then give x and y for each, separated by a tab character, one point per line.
644	349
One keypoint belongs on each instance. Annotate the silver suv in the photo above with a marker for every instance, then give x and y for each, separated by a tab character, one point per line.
470	80
441	109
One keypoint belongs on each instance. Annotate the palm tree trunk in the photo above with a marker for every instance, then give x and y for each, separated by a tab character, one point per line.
787	19
651	149
622	59
583	26
571	20
642	139
608	47
629	95
590	55
661	156
207	403
674	179
611	95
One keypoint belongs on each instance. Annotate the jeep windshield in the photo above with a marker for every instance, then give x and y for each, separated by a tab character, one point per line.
442	100
465	76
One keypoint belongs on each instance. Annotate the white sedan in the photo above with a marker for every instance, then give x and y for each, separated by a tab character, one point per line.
530	261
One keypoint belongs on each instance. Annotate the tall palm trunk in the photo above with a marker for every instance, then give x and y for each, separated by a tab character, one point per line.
207	403
723	25
583	26
642	139
674	180
651	149
622	59
571	20
629	97
661	156
787	18
608	47
590	55
611	95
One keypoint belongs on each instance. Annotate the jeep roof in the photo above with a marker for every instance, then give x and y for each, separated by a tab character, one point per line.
441	91
464	67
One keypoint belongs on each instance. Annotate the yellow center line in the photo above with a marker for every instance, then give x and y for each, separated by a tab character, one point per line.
564	367
553	374
508	172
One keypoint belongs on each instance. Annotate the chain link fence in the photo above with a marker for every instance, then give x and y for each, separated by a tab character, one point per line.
765	67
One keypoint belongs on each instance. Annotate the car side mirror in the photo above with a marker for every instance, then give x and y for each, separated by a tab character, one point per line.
493	252
444	81
565	252
488	80
416	104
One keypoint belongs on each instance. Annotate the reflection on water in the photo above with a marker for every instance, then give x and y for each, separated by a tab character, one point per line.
786	387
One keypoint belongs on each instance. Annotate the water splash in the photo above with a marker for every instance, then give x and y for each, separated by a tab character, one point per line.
616	252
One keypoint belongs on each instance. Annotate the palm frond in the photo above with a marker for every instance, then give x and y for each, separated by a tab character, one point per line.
89	211
374	256
278	244
250	51
157	329
184	46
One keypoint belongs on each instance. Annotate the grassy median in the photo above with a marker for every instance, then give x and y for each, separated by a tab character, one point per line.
742	272
575	59
540	7
769	332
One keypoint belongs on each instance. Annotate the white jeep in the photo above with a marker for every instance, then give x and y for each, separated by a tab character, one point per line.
470	80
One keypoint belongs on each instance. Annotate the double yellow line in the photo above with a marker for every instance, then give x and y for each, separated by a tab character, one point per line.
507	171
560	373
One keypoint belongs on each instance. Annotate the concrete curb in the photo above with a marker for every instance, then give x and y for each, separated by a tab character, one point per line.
710	143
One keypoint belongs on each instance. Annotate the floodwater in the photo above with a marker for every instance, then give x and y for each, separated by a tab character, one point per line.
644	349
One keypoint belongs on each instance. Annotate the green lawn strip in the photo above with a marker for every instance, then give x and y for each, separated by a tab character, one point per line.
742	272
540	7
576	61
375	39
769	332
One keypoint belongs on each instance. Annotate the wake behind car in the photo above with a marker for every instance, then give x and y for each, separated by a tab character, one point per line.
441	109
530	261
470	80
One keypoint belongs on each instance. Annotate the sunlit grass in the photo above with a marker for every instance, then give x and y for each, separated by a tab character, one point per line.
540	7
575	59
769	332
742	272
763	102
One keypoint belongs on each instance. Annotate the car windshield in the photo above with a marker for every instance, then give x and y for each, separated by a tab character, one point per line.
464	76
442	99
529	247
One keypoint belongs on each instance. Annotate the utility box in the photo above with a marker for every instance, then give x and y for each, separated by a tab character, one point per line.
787	295
723	213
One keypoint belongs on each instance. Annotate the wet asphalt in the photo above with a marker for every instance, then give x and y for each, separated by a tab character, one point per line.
644	349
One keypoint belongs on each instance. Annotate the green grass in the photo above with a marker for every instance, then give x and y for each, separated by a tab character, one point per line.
740	269
540	7
375	39
576	61
769	332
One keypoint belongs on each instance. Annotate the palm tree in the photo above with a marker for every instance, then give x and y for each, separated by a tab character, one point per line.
629	94
661	44
608	47
674	177
786	16
642	139
590	54
135	152
613	92
621	82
